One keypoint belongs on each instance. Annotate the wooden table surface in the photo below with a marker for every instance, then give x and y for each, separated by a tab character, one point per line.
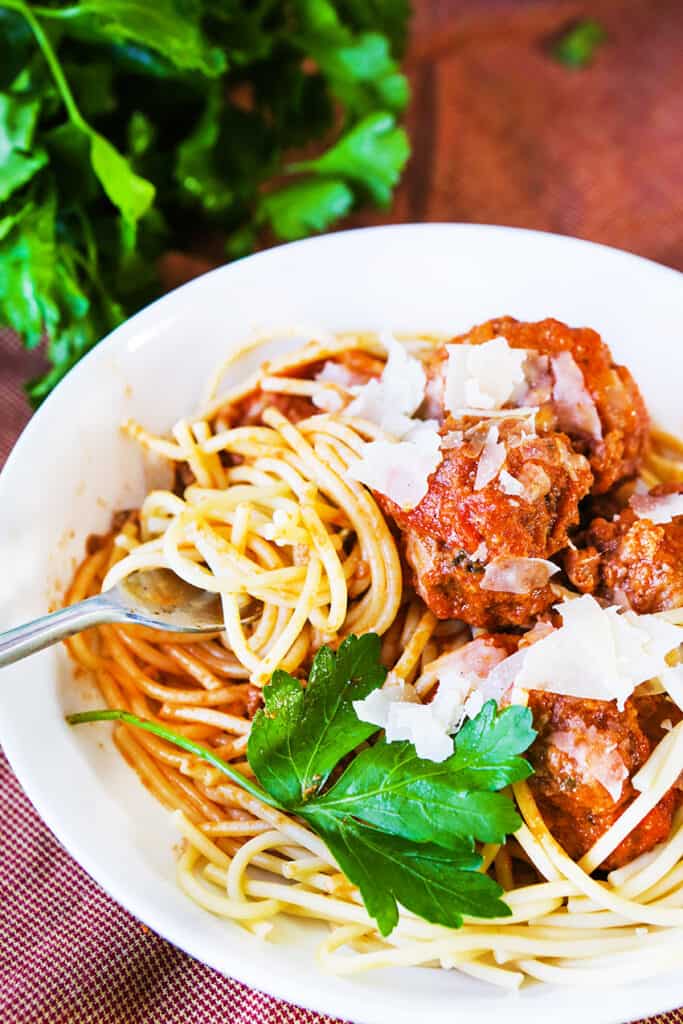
503	133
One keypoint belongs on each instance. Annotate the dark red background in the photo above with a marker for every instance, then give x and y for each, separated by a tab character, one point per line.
501	134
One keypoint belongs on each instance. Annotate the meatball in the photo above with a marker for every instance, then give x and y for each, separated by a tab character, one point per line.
584	757
460	527
631	560
610	428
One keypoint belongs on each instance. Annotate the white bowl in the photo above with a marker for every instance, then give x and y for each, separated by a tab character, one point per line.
71	468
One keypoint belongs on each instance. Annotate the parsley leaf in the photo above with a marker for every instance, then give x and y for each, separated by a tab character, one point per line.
438	884
128	128
171	28
487	748
372	154
359	68
390	787
28	283
294	211
300	735
132	194
402	829
387	16
18	158
576	46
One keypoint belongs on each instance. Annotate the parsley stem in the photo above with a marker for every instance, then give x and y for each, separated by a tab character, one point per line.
116	715
60	13
52	61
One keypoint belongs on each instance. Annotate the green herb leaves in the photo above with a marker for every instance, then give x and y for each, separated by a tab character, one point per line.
168	27
19	159
577	45
437	883
402	829
302	734
372	155
132	194
128	128
305	207
390	787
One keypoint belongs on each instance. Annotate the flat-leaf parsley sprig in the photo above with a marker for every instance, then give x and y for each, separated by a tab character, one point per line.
132	127
402	829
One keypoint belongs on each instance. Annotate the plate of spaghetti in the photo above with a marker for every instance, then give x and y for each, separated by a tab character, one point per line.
433	757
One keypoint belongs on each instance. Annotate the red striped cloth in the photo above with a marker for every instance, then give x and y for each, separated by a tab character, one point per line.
70	955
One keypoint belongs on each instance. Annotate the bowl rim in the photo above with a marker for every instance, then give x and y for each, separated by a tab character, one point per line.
280	985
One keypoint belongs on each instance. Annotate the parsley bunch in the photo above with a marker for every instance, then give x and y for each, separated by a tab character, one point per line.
401	828
128	127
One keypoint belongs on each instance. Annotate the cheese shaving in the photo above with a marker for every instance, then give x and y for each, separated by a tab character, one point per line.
491	459
391	401
430	727
398	469
482	376
658	508
509	484
511	575
596	757
401	470
598	654
574	407
452	439
337	373
328	399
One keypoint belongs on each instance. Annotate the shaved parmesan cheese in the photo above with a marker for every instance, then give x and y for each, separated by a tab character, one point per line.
480	553
598	654
418	724
328	400
482	376
391	401
430	727
401	470
375	707
337	373
452	439
538	383
672	680
509	484
538	631
397	711
522	412
503	677
473	661
574	407
475	439
596	757
473	704
510	575
658	508
491	459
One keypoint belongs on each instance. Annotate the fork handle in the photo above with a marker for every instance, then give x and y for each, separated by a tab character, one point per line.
33	636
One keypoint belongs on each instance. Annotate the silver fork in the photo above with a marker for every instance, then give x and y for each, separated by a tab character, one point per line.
154	597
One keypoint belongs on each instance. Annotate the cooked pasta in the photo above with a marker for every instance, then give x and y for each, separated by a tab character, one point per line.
266	513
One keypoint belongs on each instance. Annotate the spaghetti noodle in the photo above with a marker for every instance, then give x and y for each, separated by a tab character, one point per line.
271	519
